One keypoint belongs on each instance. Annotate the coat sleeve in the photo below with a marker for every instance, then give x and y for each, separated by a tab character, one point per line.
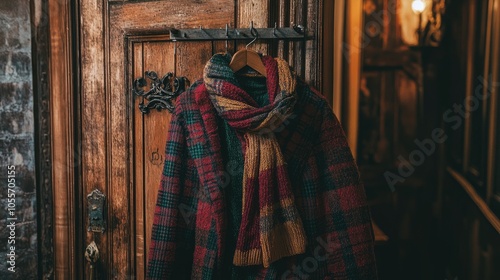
343	206
172	240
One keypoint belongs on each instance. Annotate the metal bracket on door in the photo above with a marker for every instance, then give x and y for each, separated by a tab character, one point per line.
161	93
95	203
294	33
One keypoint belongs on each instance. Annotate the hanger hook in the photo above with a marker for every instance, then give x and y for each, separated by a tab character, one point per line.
254	33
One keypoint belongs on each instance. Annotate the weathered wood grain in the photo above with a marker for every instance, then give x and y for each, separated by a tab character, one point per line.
283	19
62	141
160	16
299	17
256	11
136	55
94	138
292	45
192	57
312	63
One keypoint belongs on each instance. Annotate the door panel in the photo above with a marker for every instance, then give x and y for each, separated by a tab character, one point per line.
150	130
122	149
149	133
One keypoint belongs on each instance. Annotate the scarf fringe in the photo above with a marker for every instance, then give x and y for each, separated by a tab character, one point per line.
287	240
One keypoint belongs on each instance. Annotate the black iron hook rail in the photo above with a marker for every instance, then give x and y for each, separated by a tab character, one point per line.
201	34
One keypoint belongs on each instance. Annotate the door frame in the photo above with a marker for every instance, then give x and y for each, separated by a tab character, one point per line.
55	77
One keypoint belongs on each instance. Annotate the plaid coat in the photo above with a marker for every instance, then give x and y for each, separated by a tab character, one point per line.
325	181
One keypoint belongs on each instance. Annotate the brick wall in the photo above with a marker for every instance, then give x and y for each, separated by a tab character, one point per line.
17	140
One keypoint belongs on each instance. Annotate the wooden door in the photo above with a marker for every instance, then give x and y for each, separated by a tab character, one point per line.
122	149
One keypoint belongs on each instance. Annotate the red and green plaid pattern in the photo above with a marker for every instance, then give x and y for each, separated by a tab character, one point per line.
190	220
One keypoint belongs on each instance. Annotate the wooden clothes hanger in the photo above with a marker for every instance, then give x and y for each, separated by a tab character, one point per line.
250	58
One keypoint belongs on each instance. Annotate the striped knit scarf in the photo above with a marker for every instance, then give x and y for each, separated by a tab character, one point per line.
271	227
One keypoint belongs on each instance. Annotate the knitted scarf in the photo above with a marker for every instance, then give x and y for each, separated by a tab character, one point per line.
271	227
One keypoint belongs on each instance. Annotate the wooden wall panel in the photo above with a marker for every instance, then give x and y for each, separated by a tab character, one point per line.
283	19
292	12
192	57
354	20
159	16
299	16
312	21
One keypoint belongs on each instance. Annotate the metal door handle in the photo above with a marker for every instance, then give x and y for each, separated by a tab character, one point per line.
96	223
92	255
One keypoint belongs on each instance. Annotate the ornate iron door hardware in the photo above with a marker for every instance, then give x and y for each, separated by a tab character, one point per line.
95	203
161	93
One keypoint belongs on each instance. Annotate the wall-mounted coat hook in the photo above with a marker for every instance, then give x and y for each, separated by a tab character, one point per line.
299	28
163	90
293	33
254	33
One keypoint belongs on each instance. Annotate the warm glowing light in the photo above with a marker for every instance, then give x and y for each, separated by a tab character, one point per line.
418	6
